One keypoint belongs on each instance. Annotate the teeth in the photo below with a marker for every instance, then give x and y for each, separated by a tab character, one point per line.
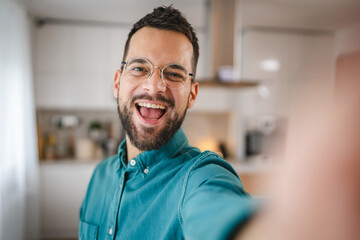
149	105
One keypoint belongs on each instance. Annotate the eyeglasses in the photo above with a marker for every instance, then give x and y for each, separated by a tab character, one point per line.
172	75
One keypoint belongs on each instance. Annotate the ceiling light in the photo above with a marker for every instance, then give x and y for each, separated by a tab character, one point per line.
270	65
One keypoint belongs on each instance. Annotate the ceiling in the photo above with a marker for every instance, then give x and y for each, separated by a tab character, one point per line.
321	14
125	11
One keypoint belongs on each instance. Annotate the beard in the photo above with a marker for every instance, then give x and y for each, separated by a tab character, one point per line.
146	138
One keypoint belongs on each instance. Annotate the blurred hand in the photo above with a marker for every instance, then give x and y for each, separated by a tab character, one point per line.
317	193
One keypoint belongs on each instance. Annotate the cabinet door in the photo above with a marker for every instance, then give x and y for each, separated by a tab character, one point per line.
286	64
268	55
62	190
75	65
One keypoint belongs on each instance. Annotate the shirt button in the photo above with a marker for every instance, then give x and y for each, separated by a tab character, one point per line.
146	170
132	162
111	231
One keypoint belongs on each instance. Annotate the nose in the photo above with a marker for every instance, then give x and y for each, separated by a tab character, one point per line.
154	83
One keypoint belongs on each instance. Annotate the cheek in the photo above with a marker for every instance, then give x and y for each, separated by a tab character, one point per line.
181	99
126	90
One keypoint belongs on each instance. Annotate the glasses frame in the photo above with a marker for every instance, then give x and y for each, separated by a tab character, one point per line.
188	74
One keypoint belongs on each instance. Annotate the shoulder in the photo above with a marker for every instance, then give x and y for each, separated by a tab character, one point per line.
210	164
210	170
106	169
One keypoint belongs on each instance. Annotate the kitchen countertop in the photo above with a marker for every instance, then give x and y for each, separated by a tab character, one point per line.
253	165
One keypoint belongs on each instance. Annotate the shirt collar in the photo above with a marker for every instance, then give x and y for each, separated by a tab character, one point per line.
170	150
122	153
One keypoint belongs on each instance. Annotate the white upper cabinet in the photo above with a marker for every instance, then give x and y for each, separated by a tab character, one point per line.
272	54
75	65
285	62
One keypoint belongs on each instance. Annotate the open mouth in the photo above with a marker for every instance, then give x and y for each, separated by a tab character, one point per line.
150	111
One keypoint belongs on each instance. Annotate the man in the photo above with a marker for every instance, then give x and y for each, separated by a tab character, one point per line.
158	186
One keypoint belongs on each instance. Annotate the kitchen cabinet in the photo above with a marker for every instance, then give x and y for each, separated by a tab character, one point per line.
286	61
63	186
75	64
294	52
255	175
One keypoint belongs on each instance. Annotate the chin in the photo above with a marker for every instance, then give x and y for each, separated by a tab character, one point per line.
147	136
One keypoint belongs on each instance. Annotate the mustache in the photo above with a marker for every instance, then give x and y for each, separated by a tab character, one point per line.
159	98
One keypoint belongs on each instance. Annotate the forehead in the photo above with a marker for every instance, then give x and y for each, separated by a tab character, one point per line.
161	47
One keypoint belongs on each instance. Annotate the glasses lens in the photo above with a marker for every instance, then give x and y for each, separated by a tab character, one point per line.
175	75
138	68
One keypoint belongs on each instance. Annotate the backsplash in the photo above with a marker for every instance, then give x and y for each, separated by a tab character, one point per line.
93	134
85	134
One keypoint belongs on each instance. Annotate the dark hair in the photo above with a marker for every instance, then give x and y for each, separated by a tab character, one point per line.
167	18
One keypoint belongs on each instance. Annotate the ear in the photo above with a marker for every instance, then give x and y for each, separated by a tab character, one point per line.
193	94
116	83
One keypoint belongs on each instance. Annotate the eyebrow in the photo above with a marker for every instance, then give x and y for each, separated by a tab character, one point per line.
138	60
177	66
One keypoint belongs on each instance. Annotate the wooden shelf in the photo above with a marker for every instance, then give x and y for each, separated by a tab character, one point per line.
217	83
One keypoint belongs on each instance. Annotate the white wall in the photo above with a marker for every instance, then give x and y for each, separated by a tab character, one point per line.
18	145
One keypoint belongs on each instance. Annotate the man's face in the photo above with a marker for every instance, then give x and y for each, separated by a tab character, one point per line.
150	111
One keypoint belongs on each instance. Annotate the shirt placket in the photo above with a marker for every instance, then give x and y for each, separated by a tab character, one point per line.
114	209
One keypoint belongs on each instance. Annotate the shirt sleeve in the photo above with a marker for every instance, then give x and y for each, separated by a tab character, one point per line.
214	203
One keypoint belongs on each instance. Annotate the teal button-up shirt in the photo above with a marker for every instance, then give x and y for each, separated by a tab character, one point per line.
175	192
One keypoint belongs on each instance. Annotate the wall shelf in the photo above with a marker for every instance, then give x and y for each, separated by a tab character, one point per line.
237	84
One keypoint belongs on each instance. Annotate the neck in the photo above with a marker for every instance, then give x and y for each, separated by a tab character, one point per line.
132	151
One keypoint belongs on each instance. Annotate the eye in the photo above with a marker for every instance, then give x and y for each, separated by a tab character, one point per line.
174	76
138	69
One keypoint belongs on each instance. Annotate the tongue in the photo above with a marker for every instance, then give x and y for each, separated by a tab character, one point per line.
151	113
